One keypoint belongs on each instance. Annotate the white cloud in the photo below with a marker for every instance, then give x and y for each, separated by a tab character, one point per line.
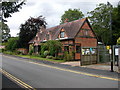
51	10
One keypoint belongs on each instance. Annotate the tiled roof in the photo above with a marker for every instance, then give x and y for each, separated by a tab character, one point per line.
71	29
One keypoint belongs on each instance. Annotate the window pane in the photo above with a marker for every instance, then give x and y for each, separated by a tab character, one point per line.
66	48
62	34
78	49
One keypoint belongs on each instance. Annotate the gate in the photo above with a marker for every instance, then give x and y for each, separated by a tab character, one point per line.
103	54
88	56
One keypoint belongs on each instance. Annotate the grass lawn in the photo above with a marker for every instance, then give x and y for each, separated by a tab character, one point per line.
39	58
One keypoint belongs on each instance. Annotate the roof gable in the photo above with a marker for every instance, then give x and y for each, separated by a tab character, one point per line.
71	28
86	30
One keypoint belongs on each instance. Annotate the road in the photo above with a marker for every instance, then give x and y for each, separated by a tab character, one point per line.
48	76
7	83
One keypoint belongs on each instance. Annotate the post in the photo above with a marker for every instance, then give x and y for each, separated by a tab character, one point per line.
111	56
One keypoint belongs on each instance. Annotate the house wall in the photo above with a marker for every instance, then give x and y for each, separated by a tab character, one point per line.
85	38
69	43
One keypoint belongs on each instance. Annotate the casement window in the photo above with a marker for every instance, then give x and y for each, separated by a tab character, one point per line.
78	48
47	36
62	34
86	33
60	50
66	48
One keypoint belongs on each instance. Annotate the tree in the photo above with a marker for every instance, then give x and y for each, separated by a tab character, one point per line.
118	41
29	29
5	31
116	23
71	15
100	20
52	46
9	8
12	44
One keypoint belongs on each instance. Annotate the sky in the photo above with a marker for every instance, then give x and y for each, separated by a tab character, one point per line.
52	10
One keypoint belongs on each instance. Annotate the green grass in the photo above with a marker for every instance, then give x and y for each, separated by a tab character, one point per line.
39	58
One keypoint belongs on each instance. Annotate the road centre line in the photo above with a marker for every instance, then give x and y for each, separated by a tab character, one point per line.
68	70
18	81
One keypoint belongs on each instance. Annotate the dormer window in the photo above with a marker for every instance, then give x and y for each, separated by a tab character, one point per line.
62	34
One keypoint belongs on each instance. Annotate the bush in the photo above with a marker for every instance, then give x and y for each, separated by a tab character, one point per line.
31	49
43	56
61	56
49	57
30	52
67	56
12	44
56	58
46	53
18	52
9	52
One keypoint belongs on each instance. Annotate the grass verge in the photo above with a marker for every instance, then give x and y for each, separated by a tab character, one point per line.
39	58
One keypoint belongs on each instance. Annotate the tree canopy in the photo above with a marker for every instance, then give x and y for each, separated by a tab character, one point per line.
6	10
9	8
29	29
5	31
71	15
100	20
12	44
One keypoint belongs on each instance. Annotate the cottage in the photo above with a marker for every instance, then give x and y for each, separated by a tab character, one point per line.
76	36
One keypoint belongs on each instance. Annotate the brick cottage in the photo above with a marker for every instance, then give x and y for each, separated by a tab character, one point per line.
77	36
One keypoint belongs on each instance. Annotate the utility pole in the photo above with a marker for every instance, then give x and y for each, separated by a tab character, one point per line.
110	23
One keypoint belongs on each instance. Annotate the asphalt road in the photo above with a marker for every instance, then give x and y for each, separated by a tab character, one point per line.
6	83
43	76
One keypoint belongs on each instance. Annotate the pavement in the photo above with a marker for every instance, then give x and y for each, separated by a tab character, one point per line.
103	66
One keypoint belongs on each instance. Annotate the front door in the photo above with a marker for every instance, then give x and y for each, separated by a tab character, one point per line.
77	52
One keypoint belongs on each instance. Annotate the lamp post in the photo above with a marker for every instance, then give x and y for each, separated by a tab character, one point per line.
110	24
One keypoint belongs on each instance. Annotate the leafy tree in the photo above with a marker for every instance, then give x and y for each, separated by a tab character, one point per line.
52	46
4	32
29	29
12	44
100	20
118	41
116	23
9	8
71	15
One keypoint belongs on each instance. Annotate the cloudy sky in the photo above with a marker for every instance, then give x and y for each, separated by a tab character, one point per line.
52	10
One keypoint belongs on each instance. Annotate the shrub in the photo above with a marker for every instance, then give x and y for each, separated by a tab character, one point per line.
49	57
43	56
31	49
46	53
56	58
9	52
52	46
30	52
12	44
18	52
60	56
67	56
